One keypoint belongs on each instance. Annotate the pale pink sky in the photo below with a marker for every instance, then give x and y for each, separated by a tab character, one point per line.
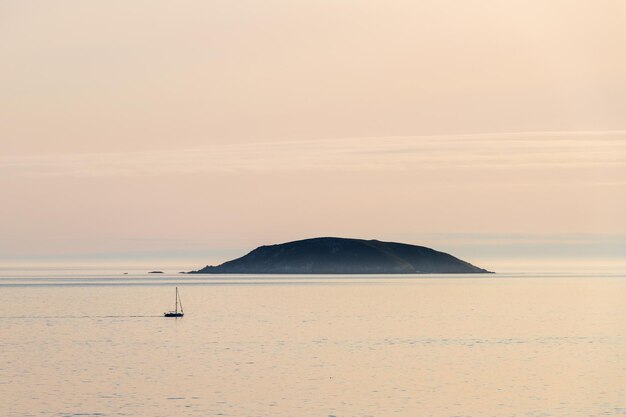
199	129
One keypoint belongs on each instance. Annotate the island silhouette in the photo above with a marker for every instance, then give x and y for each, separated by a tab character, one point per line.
335	255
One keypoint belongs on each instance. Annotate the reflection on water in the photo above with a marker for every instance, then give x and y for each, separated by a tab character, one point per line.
77	344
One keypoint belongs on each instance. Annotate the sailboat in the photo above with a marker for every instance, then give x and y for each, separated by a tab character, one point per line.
176	313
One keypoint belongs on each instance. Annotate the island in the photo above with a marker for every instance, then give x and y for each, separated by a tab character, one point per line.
334	255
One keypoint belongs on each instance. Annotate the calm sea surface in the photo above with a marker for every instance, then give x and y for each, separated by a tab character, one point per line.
85	343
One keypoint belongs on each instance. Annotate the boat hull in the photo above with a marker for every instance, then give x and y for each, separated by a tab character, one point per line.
172	314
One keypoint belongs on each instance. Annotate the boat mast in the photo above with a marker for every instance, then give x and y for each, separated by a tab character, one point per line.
176	304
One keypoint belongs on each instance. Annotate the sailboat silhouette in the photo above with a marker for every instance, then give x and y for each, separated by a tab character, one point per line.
175	313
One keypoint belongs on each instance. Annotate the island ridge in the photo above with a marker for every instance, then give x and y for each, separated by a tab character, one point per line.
334	255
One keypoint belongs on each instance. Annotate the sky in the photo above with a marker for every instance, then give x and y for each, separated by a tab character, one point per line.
194	131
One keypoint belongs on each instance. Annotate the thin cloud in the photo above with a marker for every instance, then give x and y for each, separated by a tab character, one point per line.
489	151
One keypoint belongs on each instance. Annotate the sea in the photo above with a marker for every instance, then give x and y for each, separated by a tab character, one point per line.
94	342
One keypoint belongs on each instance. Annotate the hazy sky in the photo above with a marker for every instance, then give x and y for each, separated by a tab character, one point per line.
198	129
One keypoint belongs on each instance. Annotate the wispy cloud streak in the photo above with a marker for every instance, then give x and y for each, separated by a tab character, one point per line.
489	151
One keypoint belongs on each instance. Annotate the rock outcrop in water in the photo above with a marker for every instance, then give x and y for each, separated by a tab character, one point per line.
332	255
